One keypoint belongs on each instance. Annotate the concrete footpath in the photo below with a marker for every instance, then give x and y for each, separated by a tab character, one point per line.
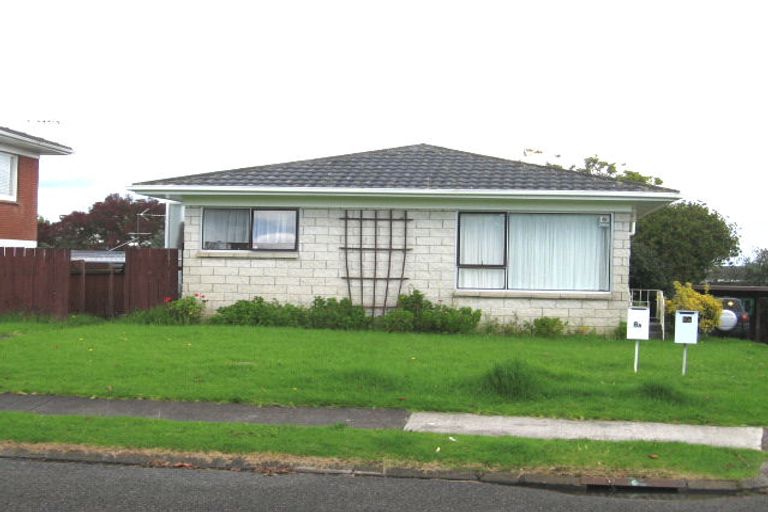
753	438
469	424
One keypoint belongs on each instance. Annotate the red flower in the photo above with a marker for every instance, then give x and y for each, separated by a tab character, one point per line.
168	299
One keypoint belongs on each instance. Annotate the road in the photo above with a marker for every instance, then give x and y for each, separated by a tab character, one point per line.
56	486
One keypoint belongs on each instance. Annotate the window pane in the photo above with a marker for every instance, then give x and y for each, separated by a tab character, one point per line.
558	252
274	229
6	175
481	239
225	229
481	278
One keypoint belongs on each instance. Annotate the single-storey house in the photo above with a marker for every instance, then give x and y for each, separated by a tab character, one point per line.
19	177
516	240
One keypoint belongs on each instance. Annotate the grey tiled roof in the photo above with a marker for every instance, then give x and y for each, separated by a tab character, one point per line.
410	167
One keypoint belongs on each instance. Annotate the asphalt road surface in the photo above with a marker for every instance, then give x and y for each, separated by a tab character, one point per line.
56	486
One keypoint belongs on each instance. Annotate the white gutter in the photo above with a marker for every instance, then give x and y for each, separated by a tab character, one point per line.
198	190
39	146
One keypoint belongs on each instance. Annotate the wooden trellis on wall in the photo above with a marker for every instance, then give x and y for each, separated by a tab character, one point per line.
375	249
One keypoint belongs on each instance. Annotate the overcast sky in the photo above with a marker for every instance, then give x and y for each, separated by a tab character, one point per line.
146	90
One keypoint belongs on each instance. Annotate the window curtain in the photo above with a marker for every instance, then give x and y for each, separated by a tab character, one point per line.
558	252
6	175
274	229
481	241
225	229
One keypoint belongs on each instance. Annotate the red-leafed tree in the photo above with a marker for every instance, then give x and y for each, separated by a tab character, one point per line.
115	221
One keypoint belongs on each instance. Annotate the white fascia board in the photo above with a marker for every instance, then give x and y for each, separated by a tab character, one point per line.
12	242
173	191
31	147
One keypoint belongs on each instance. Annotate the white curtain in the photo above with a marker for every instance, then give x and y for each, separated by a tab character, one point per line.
274	229
481	278
225	229
6	175
481	241
558	252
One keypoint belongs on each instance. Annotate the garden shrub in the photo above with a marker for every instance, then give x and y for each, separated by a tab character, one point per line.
548	327
620	332
514	380
397	320
446	319
413	313
188	310
260	312
688	299
336	314
428	317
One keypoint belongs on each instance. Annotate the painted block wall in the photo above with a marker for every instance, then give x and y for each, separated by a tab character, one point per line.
319	266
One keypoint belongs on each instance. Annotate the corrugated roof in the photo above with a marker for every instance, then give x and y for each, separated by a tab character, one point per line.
419	166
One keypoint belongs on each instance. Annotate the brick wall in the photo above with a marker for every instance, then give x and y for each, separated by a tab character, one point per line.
18	219
317	270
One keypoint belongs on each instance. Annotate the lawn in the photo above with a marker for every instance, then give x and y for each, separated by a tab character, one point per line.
389	447
575	377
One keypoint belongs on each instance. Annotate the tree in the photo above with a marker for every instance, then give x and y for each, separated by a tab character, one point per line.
755	269
594	166
108	224
681	242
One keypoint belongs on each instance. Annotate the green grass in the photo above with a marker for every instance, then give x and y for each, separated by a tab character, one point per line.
391	447
578	377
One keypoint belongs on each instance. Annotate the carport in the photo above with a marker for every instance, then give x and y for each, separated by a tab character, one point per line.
755	301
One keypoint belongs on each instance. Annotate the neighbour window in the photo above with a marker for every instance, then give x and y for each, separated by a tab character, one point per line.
569	252
254	229
8	172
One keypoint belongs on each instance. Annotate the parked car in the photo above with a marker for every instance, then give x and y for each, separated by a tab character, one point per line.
734	320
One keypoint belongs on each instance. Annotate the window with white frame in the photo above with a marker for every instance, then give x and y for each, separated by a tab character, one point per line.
8	176
250	229
532	251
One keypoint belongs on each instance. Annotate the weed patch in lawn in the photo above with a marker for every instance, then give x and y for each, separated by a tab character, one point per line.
514	380
365	379
662	392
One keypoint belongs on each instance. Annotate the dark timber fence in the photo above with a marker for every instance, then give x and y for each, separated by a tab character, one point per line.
47	281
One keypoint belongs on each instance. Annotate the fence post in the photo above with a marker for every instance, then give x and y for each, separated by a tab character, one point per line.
111	292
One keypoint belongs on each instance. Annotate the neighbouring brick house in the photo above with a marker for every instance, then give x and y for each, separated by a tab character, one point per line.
19	177
517	240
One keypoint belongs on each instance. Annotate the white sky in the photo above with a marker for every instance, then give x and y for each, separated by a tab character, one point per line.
146	90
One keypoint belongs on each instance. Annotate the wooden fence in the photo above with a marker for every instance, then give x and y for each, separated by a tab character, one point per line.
47	281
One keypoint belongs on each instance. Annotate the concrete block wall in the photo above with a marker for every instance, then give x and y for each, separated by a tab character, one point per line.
319	266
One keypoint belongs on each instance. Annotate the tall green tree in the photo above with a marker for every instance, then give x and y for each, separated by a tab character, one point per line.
681	242
107	224
755	269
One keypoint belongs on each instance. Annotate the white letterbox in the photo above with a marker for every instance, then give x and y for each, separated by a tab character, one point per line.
638	323
687	327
